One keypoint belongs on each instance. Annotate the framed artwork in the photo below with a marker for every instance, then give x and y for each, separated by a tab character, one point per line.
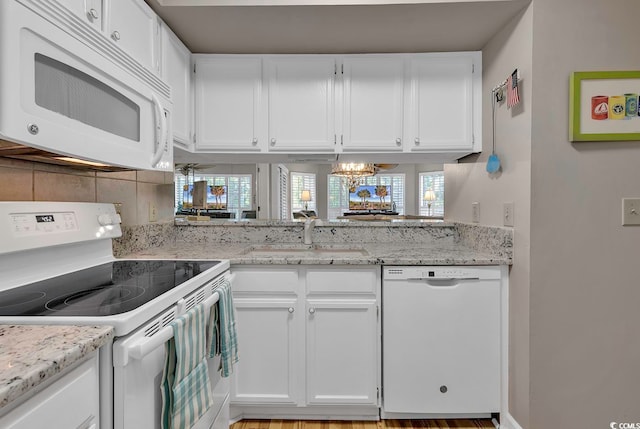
603	106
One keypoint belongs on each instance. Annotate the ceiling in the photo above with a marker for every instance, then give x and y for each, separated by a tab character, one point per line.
321	26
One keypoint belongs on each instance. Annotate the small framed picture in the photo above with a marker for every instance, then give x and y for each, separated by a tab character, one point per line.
603	106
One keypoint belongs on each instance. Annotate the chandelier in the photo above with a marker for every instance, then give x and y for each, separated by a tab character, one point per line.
353	172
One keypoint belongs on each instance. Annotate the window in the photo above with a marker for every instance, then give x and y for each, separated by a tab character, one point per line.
239	193
300	182
283	192
339	194
435	181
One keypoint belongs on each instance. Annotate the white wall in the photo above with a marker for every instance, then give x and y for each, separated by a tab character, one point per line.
469	182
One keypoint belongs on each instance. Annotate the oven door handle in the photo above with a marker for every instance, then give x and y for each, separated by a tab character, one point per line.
142	347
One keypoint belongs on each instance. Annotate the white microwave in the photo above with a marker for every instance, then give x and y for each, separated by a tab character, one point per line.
66	90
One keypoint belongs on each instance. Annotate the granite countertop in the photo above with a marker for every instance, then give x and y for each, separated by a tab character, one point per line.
32	354
344	254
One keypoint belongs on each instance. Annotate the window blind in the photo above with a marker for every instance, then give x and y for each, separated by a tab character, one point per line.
300	182
283	191
433	180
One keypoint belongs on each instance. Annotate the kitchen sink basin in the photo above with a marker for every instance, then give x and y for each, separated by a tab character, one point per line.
283	250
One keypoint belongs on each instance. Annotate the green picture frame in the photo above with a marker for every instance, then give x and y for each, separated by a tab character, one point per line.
588	120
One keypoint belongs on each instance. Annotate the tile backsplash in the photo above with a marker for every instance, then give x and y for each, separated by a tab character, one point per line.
134	190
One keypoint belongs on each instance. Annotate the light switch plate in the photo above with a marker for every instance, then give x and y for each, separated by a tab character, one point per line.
630	211
475	212
507	214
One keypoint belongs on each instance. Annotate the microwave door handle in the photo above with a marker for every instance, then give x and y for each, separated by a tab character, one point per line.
161	136
142	347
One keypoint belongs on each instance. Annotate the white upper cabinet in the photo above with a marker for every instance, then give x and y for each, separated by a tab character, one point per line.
176	71
373	94
133	26
229	103
301	103
89	11
353	104
442	103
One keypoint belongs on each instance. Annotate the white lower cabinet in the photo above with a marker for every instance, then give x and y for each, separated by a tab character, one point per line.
71	401
308	341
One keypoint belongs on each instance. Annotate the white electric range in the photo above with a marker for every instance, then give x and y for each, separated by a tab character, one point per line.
58	268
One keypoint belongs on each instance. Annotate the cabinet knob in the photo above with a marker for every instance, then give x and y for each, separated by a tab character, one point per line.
417	141
443	389
398	141
254	141
115	35
291	309
273	142
312	310
92	14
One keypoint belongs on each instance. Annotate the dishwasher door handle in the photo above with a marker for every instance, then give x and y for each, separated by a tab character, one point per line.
448	279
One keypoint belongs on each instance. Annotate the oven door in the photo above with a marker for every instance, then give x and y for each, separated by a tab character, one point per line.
137	379
62	96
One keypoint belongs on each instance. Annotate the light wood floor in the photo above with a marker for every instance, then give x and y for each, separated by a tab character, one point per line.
383	424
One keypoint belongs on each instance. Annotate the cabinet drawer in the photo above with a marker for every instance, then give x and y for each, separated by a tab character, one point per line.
70	402
266	280
347	280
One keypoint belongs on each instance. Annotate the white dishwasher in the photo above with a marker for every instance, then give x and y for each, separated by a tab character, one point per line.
441	341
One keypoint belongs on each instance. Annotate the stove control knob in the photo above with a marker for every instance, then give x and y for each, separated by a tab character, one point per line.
105	219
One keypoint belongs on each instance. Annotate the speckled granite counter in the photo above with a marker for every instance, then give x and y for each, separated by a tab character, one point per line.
32	354
388	243
380	254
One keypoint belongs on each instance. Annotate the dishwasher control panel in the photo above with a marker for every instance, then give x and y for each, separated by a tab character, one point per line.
440	272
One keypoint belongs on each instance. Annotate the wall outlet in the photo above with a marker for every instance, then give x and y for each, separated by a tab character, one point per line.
507	214
475	212
630	211
153	212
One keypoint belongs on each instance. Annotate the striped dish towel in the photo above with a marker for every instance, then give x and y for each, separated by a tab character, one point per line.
223	335
186	387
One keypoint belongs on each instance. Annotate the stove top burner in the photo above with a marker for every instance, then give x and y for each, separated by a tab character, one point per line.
103	290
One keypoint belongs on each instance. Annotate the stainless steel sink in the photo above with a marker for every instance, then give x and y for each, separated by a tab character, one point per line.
297	250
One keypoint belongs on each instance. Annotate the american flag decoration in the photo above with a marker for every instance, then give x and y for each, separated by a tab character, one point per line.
513	98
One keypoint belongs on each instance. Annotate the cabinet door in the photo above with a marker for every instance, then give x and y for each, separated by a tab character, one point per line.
342	352
301	103
228	103
133	26
442	103
373	103
176	71
268	345
89	11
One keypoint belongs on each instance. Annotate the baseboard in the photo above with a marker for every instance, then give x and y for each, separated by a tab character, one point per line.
508	422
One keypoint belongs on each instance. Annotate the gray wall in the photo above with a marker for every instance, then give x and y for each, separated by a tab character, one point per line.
575	347
585	340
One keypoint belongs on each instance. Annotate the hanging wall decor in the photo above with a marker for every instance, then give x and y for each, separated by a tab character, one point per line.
603	106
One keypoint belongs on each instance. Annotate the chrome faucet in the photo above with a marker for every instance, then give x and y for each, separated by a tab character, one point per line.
308	228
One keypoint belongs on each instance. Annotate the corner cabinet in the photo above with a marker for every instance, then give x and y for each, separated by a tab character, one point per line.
301	103
309	341
229	103
176	71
